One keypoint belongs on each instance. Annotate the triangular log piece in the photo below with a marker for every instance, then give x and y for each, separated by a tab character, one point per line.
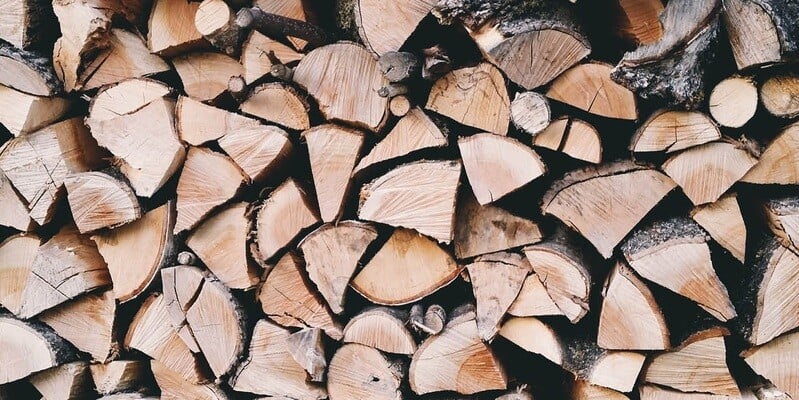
779	94
171	28
733	101
655	392
14	213
777	361
126	97
126	57
29	347
673	130
255	55
307	349
174	386
17	254
65	382
589	87
382	328
530	112
259	150
99	200
533	300
574	137
198	123
278	103
724	222
583	390
361	372
119	376
777	164
205	75
496	280
639	20
754	36
182	284
22	113
294	9
385	27
87	322
289	205
27	71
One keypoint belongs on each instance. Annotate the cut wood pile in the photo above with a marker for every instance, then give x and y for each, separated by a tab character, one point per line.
416	199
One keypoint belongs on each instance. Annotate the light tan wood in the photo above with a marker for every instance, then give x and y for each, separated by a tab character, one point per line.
589	87
640	20
777	164
617	370
399	105
496	281
384	27
332	253
64	382
381	328
344	67
215	20
118	376
333	152
255	55
773	309
29	348
780	95
631	318
171	29
457	360
408	267
17	254
307	349
564	272
361	372
497	165
673	130
129	396
126	57
174	387
88	323
148	240
473	96
198	123
583	390
98	200
733	101
419	195
595	201
22	113
776	361
529	111
574	137
181	285
205	75
20	23
14	213
654	392
533	300
753	37
288	204
289	299
27	71
706	172
278	103
126	97
724	222
533	335
209	179
259	150
269	368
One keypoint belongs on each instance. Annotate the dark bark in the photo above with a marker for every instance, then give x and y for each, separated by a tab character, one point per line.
273	24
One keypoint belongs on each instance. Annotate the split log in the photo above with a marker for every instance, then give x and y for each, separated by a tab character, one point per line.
654	392
289	299
582	390
126	97
631	318
125	57
118	376
205	76
171	30
29	347
23	113
419	195
381	328
530	112
672	67
17	254
175	387
296	10
777	164
574	137
27	71
413	132
498	165
639	20
595	201
332	253
65	382
216	22
408	267
256	56
673	130
23	23
780	95
209	179
707	171
496	280
288	204
259	150
181	285
308	351
487	229
724	222
473	96
759	32
589	87
129	396
278	103
457	360
198	123
776	361
269	368
87	322
733	101
361	372
533	300
699	364
333	152
99	200
384	27
14	212
330	70
674	254
782	215
148	240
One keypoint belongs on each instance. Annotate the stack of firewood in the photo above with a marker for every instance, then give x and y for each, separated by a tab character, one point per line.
399	199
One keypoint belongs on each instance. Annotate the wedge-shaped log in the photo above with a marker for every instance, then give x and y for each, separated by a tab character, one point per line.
29	347
14	213
174	386
589	87
118	376
385	27
278	103
382	328
533	300
87	322
673	130
171	29
776	361
17	254
724	222
333	152
496	281
361	372
68	381
288	204
125	57
255	55
777	164
99	200
574	137
205	75
307	349
27	71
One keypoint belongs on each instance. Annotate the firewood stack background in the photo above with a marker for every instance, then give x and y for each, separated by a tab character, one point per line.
377	199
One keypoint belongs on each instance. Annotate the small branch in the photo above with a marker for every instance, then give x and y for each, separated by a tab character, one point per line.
237	87
399	66
273	24
282	72
392	90
186	258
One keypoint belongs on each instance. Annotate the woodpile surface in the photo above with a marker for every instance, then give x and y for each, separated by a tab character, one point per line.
416	199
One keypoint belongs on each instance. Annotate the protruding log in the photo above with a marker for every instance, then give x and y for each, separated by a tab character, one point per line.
777	164
589	87
118	376
722	219
457	360
181	285
328	71
333	152
487	229
496	280
381	328
126	97
23	23
777	361
148	240
289	299
473	96
256	55
530	112
706	172
780	95
175	387
307	349
639	20
144	141
65	382
533	300
399	105
419	195
361	372
299	11
278	103
22	113
384	27
595	201
17	254
29	347
407	268
269	368
435	318
259	150
399	66
733	102
332	253
126	57
574	137
674	254
27	71
205	75
699	364
99	200
288	204
209	179
631	318
673	130
583	390
87	322
14	213
217	23
759	32
498	165
171	27
221	243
